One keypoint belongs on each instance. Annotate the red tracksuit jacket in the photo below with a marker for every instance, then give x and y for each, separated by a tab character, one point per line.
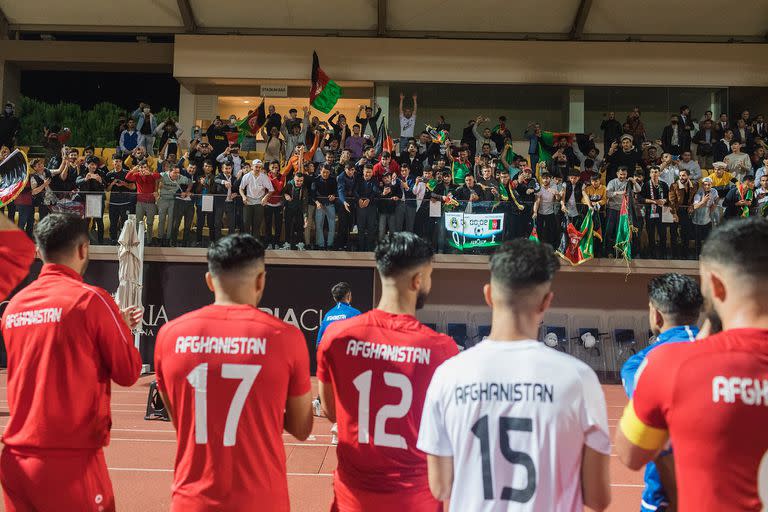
66	342
16	255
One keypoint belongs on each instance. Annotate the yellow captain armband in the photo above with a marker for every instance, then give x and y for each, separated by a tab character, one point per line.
640	434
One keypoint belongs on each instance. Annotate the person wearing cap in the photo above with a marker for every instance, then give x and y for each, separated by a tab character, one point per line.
9	125
721	179
739	200
625	156
255	189
704	205
92	179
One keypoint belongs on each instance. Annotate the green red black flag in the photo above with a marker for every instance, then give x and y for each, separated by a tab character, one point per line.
325	92
252	123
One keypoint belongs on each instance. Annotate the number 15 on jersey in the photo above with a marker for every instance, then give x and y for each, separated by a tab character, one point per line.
481	430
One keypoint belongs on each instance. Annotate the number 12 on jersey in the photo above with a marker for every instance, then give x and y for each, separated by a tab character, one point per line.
380	436
481	430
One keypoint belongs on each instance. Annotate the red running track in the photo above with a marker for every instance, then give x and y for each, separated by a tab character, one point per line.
141	454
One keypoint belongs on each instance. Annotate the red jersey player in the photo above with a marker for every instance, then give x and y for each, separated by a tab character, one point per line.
66	341
710	398
16	255
373	371
232	377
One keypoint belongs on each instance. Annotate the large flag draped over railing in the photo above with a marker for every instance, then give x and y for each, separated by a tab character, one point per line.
577	245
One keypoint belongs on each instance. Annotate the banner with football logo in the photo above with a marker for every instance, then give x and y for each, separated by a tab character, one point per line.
474	230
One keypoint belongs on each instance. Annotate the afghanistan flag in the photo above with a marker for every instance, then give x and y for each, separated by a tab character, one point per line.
383	140
251	124
624	231
459	169
325	92
576	246
547	144
534	236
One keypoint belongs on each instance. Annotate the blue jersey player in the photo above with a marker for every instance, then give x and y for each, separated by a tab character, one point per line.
674	305
342	294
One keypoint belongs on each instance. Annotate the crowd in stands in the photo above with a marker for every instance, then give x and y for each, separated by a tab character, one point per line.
329	185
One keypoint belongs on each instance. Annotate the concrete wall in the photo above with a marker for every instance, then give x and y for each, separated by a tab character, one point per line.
469	61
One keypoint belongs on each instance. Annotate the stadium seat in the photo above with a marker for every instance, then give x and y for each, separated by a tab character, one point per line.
106	157
559	331
483	331
459	333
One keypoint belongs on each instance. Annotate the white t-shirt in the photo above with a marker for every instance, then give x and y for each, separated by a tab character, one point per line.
407	124
521	401
255	187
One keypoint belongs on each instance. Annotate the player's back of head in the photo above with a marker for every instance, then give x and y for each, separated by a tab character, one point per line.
521	272
58	236
236	268
397	253
234	253
740	244
677	297
341	291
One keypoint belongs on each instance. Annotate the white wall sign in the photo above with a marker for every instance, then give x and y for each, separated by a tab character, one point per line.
274	91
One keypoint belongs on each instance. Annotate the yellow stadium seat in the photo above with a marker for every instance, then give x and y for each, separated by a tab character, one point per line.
106	157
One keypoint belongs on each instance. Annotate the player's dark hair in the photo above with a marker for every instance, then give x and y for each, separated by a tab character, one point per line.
676	296
59	233
740	244
340	291
521	264
398	252
233	253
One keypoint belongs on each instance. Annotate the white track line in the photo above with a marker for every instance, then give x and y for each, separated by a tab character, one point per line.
162	470
139	440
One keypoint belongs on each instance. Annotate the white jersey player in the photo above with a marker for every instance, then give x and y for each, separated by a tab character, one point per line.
512	425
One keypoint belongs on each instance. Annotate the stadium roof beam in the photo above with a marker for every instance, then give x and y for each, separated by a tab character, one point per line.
381	23
582	13
187	16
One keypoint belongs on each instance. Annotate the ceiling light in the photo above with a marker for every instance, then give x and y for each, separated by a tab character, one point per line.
246	101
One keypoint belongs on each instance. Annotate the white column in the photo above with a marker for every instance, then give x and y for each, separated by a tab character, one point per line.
186	113
381	96
576	110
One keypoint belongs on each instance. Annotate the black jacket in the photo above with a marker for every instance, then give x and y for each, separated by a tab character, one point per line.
683	140
720	150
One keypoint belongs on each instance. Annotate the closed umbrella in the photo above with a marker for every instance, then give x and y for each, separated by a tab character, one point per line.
130	257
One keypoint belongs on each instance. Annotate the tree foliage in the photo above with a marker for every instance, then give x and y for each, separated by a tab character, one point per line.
89	127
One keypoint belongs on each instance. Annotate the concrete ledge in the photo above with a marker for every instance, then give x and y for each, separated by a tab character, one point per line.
442	261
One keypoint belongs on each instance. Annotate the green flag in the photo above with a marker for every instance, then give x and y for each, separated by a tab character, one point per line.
548	139
624	232
325	92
